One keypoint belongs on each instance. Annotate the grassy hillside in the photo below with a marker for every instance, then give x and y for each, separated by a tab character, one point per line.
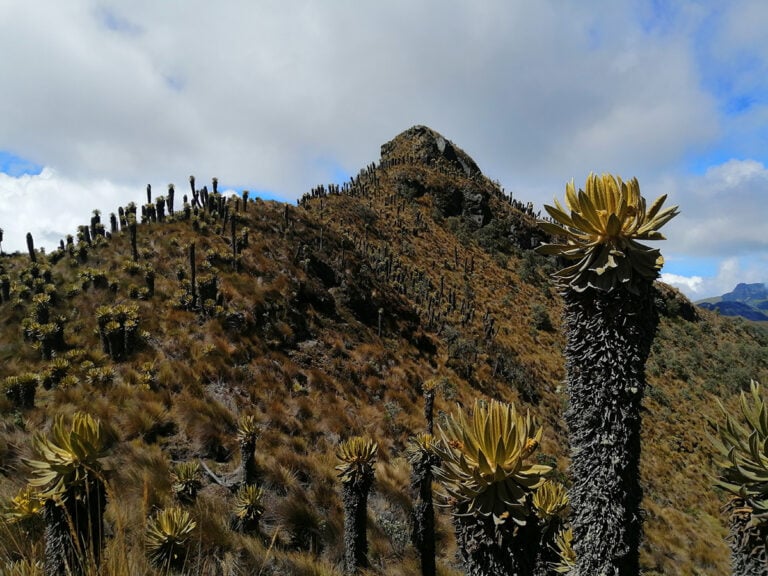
324	322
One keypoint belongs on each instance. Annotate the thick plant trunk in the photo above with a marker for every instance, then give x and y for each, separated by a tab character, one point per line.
250	471
423	535
423	529
488	550
429	408
74	534
60	552
609	337
748	543
355	500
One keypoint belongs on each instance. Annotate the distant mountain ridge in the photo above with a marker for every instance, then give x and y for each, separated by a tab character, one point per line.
746	300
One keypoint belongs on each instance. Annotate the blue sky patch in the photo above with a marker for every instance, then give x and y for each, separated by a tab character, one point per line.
739	104
16	166
333	172
691	266
698	164
254	192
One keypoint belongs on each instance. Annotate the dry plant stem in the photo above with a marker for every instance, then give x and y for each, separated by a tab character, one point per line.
609	336
74	535
489	550
423	515
355	499
747	540
269	550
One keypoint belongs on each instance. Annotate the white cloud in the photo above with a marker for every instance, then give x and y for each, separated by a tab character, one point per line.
257	92
281	95
723	212
51	206
691	286
730	272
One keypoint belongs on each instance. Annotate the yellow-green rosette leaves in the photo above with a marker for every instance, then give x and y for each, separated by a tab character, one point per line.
249	502
167	537
601	229
247	428
418	446
743	446
551	500
357	457
484	462
25	505
566	555
68	455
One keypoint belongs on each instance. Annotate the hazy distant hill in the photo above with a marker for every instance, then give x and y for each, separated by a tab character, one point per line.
746	300
323	321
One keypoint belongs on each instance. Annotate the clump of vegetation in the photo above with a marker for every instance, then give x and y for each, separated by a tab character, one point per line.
119	330
168	539
486	473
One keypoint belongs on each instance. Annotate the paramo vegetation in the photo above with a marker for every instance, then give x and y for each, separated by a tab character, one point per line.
384	379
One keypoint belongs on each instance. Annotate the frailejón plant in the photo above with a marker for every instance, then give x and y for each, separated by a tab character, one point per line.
610	321
489	481
357	457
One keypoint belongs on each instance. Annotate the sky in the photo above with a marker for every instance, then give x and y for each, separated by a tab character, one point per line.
100	98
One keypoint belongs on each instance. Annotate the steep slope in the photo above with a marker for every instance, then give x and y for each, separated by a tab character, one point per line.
324	321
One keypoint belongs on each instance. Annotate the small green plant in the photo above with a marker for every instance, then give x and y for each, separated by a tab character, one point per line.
249	508
186	481
25	508
100	377
541	319
168	538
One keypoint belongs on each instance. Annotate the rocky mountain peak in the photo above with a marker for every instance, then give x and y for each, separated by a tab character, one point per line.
428	163
747	292
421	144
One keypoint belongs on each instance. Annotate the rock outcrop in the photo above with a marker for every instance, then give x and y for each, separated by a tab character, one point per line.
423	148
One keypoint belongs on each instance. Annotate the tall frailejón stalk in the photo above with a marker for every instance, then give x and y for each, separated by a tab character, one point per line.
743	446
247	434
357	457
610	321
423	460
489	483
